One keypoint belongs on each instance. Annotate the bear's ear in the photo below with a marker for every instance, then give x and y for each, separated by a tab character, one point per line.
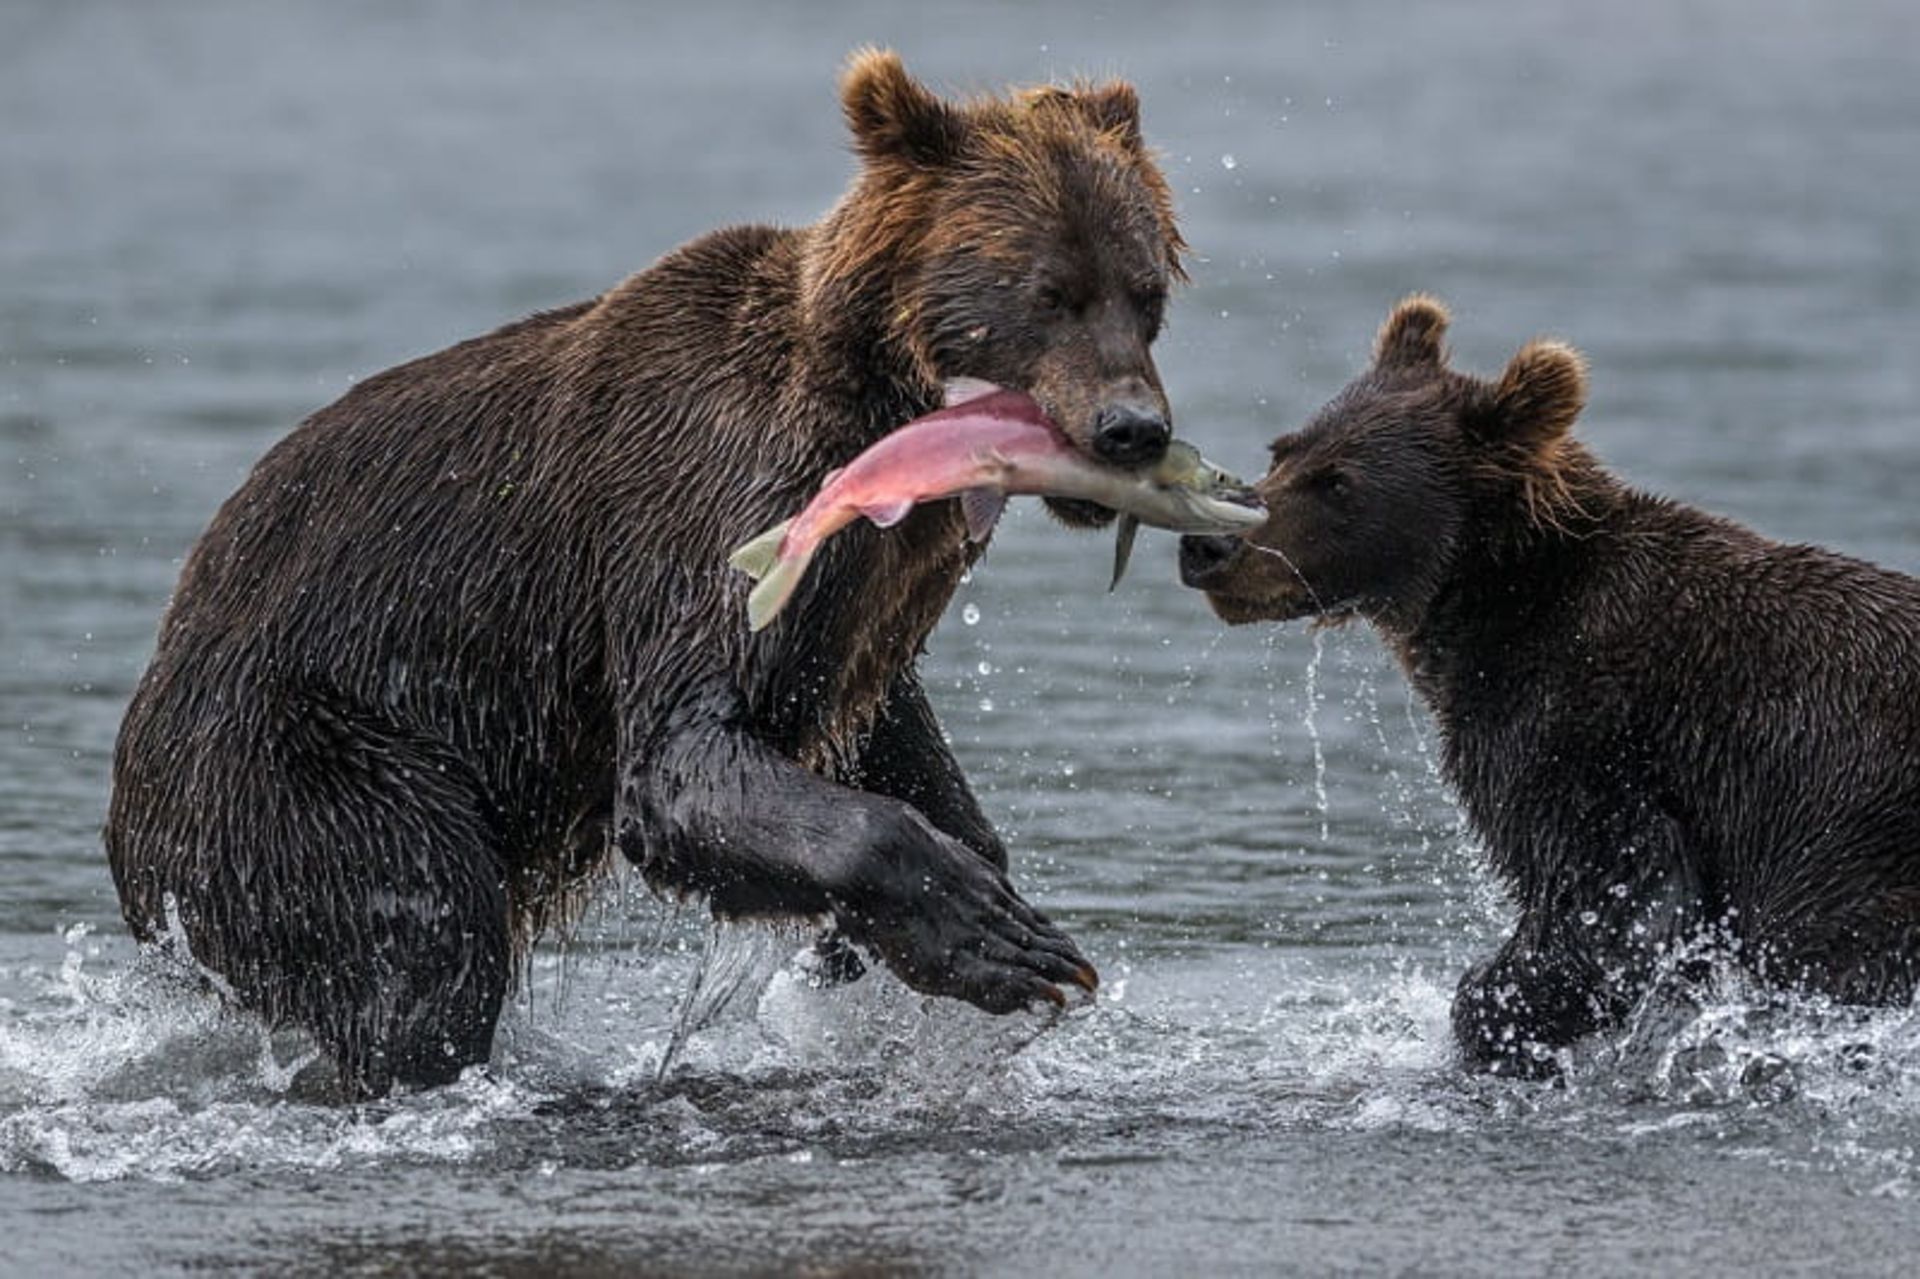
893	116
1115	110
1538	397
1414	335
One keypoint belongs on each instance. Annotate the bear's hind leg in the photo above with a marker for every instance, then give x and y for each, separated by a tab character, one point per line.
372	909
414	998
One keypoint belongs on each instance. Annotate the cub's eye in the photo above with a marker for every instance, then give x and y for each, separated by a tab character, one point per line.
1328	481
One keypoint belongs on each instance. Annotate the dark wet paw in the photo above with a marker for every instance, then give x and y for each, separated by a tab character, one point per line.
949	924
836	961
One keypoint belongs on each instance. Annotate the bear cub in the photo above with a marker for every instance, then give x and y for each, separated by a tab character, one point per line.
1668	730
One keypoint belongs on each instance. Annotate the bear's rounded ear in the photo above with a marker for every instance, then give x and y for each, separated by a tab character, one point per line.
1114	109
1540	394
1414	335
893	116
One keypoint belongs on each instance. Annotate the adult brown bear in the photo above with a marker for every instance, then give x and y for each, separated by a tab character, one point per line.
471	626
1664	726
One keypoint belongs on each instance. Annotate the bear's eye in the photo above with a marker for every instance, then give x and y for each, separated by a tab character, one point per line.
1151	302
1050	300
1329	481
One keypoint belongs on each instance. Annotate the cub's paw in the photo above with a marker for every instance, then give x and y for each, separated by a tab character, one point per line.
1512	1014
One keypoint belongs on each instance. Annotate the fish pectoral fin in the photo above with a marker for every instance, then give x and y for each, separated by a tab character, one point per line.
982	507
757	557
961	389
888	514
1122	548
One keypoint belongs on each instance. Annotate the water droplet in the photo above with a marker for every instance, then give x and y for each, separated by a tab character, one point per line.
986	704
1228	162
970	615
985	668
1589	917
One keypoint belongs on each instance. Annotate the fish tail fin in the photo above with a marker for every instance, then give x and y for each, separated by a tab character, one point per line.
775	589
757	557
761	560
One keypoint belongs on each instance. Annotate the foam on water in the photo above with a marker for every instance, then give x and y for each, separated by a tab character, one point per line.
116	1068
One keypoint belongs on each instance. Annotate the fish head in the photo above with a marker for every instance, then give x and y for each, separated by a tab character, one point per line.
1043	252
1186	493
1183	467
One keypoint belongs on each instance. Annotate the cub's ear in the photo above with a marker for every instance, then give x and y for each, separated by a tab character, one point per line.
1414	335
1115	109
893	116
1539	396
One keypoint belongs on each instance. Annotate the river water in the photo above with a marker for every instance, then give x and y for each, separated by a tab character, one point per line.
214	217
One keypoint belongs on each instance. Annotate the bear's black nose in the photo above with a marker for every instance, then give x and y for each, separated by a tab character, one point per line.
1201	557
1130	435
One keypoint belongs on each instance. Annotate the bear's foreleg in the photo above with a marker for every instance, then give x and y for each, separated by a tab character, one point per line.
706	807
906	756
1608	911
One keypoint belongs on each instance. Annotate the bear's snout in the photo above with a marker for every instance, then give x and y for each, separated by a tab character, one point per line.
1202	557
1130	434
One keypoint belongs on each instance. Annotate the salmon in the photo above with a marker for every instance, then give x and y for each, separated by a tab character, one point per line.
988	443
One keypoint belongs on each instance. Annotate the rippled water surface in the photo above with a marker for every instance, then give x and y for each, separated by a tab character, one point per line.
213	218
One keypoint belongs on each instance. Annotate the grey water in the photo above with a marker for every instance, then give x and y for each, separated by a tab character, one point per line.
214	217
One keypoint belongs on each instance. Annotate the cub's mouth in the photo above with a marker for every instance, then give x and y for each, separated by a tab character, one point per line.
1223	567
1235	611
1238	610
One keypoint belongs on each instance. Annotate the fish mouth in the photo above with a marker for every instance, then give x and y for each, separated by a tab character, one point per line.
1230	511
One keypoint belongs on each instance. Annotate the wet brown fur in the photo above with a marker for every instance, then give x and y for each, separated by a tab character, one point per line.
471	626
1668	730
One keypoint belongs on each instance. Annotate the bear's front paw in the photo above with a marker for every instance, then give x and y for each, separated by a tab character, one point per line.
948	923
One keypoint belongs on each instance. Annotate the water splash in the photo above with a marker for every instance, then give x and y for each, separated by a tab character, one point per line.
1310	721
132	1072
740	960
